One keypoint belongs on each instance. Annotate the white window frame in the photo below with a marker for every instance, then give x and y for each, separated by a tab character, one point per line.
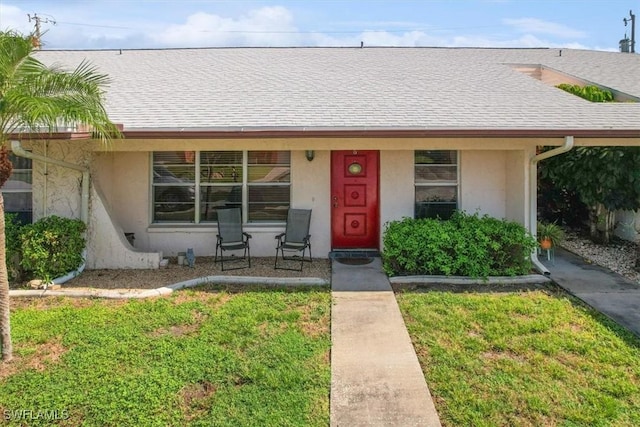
244	185
437	183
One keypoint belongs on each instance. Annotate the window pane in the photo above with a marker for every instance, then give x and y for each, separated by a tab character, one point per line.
269	173
17	191
172	174
434	210
220	166
214	197
437	157
17	202
19	181
20	162
268	203
220	174
174	203
269	157
436	173
436	194
173	167
265	213
221	158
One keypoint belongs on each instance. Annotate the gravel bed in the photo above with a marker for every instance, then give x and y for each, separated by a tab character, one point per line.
204	266
618	256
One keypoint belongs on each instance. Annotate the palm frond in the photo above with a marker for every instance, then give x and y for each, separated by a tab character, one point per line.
34	96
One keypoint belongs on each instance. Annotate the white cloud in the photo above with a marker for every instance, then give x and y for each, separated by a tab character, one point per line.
13	18
267	26
537	26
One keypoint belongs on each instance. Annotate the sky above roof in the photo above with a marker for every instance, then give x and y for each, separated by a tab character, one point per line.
120	24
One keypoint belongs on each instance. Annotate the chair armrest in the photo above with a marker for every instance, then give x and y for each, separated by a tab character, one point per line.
247	235
280	236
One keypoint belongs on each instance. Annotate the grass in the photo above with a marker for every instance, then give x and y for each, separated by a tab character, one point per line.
523	359
202	357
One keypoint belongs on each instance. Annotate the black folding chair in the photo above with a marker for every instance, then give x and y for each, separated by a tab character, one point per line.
230	237
295	240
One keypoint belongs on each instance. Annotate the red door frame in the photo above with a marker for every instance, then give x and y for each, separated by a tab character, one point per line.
355	207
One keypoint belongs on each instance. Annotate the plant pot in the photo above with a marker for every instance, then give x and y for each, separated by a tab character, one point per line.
546	244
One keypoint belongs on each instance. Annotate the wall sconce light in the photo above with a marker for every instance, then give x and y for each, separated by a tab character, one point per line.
309	154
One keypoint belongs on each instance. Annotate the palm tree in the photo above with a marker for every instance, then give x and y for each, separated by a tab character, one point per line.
34	97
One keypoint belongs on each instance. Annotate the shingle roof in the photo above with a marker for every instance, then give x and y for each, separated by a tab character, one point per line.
347	88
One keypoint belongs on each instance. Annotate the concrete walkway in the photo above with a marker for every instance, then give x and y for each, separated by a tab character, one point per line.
376	379
601	288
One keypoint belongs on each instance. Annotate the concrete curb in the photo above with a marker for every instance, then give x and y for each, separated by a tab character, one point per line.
531	279
167	290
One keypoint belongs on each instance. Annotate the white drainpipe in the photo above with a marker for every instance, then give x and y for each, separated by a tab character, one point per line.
533	195
17	149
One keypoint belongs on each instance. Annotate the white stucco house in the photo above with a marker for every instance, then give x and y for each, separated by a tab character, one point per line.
361	136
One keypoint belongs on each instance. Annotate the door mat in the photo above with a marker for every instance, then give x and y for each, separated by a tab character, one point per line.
354	261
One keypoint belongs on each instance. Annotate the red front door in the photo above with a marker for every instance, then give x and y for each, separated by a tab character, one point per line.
354	199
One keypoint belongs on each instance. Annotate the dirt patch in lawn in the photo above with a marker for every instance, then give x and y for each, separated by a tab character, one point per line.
313	327
195	399
44	355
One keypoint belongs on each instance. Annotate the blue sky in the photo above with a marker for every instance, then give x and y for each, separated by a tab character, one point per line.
80	24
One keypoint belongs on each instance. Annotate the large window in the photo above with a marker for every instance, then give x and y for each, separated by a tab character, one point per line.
190	186
436	183
17	191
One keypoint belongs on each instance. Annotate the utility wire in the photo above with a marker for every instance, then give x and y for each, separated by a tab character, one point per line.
407	30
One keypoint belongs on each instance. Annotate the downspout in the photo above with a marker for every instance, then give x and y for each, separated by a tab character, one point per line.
17	149
533	195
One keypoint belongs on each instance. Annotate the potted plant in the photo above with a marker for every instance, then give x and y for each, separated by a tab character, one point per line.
549	235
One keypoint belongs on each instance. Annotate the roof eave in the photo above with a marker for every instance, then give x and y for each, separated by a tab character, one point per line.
378	133
237	133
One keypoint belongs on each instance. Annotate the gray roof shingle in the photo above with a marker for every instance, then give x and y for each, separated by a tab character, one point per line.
345	88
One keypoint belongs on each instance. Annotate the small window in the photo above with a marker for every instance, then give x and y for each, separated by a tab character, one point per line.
17	191
436	183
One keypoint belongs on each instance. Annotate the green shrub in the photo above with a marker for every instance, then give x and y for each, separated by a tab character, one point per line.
590	93
52	247
12	230
465	245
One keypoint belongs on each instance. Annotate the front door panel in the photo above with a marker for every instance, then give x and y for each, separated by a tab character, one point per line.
354	199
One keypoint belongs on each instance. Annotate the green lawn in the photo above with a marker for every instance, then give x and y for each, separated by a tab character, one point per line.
256	357
523	359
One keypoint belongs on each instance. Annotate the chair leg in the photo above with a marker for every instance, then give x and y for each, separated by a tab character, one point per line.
302	259
215	259
275	265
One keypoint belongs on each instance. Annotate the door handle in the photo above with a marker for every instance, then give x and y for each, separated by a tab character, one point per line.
335	201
